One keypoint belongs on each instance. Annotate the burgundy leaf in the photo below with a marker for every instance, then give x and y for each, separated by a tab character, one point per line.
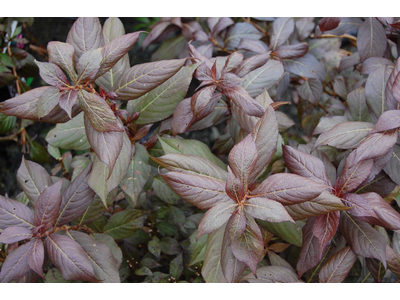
291	51
289	188
47	206
265	135
376	145
310	255
217	216
244	101
98	112
183	117
15	234
142	78
88	65
85	35
252	63
222	24
371	39
281	30
354	173
68	100
33	179
229	80
115	50
62	54
16	264
360	207
232	268
338	266
242	159
386	214
346	135
201	100
48	101
249	248
305	66
305	165
199	191
236	225
329	23
155	32
69	258
24	106
52	74
104	265
107	145
14	213
194	53
325	227
388	120
234	187
362	238
267	210
36	257
76	198
232	62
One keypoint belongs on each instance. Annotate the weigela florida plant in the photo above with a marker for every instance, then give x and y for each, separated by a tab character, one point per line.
287	206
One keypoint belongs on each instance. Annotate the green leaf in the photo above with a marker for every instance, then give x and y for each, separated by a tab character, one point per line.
175	216
125	223
197	247
170	246
286	230
176	267
212	269
7	123
38	153
191	147
54	276
69	135
164	191
139	172
154	246
160	102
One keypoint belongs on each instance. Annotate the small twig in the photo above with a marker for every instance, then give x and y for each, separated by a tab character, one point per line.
255	25
220	46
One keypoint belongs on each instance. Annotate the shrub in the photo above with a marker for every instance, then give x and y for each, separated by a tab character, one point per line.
302	183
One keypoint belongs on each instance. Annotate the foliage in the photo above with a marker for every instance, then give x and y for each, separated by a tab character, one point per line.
301	186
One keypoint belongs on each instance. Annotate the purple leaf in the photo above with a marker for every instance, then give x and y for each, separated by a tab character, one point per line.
14	213
362	238
346	135
155	32
104	265
47	206
52	74
62	54
360	207
262	78
36	257
338	266
310	255
115	50
281	30
33	179
373	63
292	51
243	100
265	135
371	39
289	189
88	65
272	274
388	120
252	63
239	31
14	234
393	261
249	248
307	66
242	159
142	78
85	35
393	166
305	165
357	106
329	23
183	117
107	145
378	90
24	106
69	258
217	216
267	210
232	62
68	100
234	187
201	103
48	101
252	46
236	225
98	112
324	228
222	24
349	61
304	27
76	198
199	191
16	264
